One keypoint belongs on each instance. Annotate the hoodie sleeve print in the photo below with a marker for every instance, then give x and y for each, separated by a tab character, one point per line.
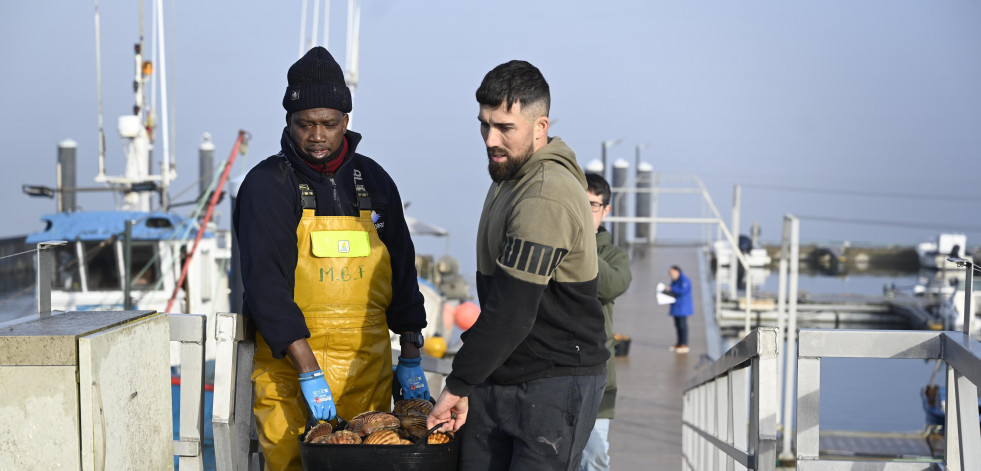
541	232
265	223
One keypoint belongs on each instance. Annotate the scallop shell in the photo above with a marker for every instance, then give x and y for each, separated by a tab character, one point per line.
375	422
419	406
321	439
320	430
383	437
437	438
344	437
414	425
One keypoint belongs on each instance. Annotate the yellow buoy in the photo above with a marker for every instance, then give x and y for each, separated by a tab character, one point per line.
435	347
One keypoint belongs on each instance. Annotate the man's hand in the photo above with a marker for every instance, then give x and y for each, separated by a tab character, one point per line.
451	409
412	378
317	393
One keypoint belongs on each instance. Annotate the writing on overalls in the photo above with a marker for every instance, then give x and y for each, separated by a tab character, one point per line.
342	274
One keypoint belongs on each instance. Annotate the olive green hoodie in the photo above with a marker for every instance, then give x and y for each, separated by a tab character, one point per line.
614	279
536	279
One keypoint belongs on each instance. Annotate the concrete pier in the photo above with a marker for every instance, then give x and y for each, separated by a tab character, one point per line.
646	433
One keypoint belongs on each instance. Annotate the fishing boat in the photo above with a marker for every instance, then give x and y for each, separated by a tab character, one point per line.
144	256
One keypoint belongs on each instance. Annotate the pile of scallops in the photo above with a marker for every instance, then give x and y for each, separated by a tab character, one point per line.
405	425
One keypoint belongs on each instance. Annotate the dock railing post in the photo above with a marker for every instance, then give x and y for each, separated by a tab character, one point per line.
968	289
782	305
788	397
734	262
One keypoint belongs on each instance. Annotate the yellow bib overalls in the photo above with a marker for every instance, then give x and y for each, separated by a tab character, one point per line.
343	287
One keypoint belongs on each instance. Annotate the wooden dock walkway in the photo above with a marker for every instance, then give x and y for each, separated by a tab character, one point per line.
646	433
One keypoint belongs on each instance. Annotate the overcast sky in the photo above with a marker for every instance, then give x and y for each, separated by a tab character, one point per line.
847	97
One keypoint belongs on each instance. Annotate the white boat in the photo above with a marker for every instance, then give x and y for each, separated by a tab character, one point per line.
934	253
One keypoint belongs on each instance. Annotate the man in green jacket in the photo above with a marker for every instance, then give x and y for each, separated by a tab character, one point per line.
614	279
529	378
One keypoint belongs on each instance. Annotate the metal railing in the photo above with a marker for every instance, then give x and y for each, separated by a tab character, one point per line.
729	414
729	235
963	357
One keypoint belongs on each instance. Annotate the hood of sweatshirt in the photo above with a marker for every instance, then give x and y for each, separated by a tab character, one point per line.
558	151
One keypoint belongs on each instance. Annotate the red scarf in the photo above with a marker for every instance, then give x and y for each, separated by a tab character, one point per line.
333	165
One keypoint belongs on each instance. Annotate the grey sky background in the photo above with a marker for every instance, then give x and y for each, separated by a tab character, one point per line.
872	96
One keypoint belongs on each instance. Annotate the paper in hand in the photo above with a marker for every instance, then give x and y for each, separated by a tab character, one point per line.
661	297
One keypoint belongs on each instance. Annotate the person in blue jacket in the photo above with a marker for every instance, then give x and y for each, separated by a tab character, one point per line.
681	308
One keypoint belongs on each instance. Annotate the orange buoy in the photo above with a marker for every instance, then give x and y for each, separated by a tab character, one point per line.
466	314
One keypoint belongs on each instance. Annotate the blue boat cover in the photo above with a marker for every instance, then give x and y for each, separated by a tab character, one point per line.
101	225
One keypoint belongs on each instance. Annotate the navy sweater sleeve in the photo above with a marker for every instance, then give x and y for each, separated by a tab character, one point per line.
265	224
406	313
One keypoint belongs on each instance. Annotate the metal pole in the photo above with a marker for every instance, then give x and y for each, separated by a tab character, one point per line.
718	285
968	288
206	164
733	265
303	28
45	273
788	397
326	22
782	302
606	145
654	196
128	267
603	159
98	86
749	299
165	133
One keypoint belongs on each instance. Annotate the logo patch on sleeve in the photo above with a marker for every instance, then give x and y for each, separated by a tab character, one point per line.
531	257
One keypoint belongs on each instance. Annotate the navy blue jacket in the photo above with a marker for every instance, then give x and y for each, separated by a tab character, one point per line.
681	290
267	211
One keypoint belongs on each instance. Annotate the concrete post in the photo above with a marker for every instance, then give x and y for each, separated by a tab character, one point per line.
619	200
66	176
643	203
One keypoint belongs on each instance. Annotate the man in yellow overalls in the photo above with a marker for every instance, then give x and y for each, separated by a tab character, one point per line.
328	268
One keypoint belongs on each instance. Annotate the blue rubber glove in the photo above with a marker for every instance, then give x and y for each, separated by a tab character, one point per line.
413	380
317	393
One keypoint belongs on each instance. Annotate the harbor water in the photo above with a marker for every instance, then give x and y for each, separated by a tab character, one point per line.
869	395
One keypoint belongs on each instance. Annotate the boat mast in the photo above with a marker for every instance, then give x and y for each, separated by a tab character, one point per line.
353	47
165	171
303	28
305	42
98	86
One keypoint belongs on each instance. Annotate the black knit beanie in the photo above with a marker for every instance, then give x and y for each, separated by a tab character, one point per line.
316	81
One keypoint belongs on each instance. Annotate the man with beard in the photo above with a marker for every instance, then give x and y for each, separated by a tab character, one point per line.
328	269
530	375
